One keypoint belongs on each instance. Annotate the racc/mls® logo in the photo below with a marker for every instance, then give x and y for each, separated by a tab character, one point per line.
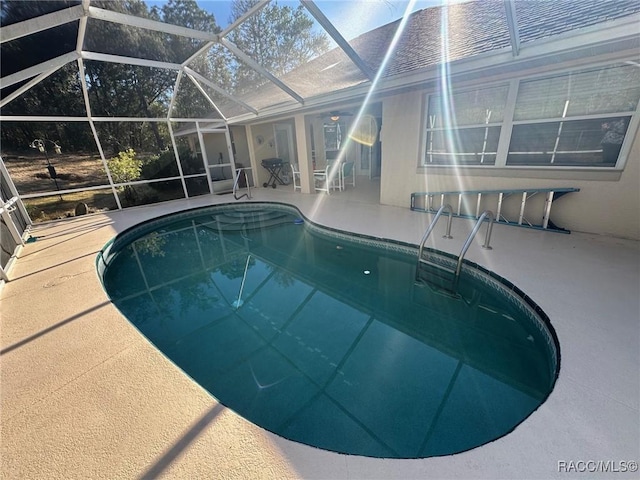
599	466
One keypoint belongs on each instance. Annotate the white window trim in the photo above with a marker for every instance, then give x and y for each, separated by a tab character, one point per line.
506	129
426	128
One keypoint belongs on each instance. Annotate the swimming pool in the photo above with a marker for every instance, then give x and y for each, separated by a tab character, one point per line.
325	338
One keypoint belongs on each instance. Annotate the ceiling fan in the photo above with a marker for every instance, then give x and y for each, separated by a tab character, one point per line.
335	115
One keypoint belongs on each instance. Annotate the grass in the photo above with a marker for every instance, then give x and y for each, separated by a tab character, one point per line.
28	170
61	206
55	207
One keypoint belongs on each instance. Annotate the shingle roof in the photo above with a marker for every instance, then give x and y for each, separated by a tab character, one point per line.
540	18
442	34
446	33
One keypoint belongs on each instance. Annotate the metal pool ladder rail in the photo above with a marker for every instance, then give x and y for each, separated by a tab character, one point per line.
467	244
443	276
239	173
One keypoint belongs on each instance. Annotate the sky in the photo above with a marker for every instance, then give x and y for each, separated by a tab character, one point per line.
350	17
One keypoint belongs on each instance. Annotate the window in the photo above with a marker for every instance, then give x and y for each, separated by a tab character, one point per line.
464	128
576	119
333	135
594	143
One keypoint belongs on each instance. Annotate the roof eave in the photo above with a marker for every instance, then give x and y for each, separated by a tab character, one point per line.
616	39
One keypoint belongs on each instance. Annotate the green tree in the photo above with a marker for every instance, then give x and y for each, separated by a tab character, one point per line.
212	64
126	90
58	95
280	38
125	168
114	89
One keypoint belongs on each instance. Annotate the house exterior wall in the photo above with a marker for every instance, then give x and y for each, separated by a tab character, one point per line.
241	146
264	146
608	202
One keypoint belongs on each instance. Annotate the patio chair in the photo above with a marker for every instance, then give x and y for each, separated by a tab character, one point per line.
347	171
295	175
322	180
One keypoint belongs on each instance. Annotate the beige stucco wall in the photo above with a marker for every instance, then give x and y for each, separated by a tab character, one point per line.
242	147
605	204
267	149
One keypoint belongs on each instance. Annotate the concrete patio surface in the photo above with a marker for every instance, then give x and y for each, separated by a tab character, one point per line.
85	396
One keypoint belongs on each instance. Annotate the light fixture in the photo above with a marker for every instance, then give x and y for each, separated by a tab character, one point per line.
365	131
40	145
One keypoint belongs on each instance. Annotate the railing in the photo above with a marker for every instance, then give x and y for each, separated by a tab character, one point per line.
239	172
5	210
432	226
452	276
16	236
467	244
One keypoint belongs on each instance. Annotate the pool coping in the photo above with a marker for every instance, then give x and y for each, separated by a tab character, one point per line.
528	308
57	422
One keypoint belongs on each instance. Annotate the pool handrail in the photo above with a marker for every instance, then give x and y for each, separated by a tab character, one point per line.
432	226
467	244
242	171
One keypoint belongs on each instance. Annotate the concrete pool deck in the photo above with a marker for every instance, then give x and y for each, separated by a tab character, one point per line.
84	395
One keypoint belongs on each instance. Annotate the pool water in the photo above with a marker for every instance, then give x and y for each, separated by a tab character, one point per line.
325	338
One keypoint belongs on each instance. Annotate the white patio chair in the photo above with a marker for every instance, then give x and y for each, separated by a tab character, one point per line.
295	175
322	180
347	175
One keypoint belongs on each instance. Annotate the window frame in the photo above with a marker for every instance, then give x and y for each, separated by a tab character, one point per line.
508	123
428	128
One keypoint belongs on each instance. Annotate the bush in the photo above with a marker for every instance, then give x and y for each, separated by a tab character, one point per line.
160	166
125	167
164	165
191	164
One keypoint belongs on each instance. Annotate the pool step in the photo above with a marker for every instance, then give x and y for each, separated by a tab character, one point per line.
249	220
435	274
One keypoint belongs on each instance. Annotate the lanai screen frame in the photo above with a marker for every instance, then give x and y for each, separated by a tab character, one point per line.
85	10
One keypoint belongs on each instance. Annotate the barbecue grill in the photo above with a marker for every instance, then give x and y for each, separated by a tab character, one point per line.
274	166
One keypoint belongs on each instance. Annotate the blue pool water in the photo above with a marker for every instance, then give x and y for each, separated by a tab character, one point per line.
325	338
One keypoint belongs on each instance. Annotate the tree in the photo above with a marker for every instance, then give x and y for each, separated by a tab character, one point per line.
126	90
125	168
278	38
212	64
114	89
57	95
